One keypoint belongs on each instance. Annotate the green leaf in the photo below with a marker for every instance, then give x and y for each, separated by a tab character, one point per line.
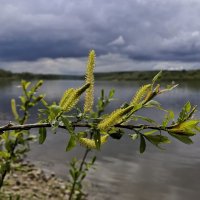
168	117
71	144
38	84
111	93
68	125
42	135
183	138
197	128
184	114
157	139
25	84
14	109
93	160
116	133
142	144
145	119
45	104
97	139
156	77
169	88
185	128
153	103
4	154
54	111
23	99
189	124
187	107
149	132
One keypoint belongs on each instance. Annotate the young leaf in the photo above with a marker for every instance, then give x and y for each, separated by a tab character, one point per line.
188	124
153	103
26	84
184	114
169	88
168	117
185	128
145	119
111	93
149	132
156	77
14	109
42	135
68	125
54	111
71	144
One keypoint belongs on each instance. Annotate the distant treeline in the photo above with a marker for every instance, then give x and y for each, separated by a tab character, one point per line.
131	75
147	75
29	76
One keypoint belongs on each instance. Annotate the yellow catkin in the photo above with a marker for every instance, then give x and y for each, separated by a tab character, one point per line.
66	96
141	93
89	96
114	118
70	100
71	97
90	143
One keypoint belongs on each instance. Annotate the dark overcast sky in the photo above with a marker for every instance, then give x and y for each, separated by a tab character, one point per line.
56	35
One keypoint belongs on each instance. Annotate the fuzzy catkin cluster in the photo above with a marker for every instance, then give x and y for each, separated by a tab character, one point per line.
90	143
89	96
114	118
142	92
71	97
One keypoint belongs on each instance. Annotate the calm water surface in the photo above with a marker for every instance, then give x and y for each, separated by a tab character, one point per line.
121	172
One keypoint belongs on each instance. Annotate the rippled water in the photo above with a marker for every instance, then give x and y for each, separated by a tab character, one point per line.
121	172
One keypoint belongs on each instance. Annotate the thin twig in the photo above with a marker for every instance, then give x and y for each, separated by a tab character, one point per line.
75	124
80	169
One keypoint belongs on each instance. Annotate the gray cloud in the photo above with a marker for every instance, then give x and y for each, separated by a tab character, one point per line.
138	30
105	63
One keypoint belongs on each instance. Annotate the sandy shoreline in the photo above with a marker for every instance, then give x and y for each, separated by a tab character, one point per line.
31	182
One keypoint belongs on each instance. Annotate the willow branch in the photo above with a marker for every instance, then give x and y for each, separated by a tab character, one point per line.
11	126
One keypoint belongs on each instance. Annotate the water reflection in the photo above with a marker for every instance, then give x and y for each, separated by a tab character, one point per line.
123	173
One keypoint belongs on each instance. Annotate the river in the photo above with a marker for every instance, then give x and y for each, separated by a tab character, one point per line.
122	173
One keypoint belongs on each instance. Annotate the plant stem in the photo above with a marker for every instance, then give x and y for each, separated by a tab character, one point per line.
22	121
10	126
80	169
2	178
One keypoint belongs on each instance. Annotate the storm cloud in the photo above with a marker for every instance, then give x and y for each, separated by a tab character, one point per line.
135	31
